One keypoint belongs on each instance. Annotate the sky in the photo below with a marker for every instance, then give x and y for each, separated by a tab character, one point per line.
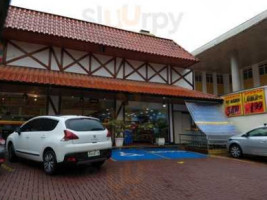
190	23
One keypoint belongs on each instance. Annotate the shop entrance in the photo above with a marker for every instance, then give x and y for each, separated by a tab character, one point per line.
146	121
182	123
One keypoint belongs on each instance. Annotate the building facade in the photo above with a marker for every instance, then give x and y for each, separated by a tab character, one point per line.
234	66
54	65
234	61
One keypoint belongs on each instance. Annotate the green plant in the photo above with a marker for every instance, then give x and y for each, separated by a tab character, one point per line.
146	126
162	126
117	127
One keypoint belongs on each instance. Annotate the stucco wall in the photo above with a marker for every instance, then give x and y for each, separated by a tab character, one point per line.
246	123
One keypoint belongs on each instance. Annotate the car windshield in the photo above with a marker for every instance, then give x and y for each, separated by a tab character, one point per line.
84	124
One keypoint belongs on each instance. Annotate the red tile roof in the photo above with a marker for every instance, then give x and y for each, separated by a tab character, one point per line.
40	76
50	24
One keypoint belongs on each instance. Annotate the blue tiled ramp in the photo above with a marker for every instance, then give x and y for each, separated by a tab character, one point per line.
153	154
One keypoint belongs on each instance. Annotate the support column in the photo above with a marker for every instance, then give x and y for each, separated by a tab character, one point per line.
226	83
241	75
256	76
204	82
119	110
170	111
215	84
235	73
53	105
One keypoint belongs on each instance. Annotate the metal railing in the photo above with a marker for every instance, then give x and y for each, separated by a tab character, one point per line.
197	139
194	139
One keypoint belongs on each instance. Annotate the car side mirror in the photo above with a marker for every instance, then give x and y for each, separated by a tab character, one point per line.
18	131
245	135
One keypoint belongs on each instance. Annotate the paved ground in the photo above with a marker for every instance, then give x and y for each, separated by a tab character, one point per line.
197	179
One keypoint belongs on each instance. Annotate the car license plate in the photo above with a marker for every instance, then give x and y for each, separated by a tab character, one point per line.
93	153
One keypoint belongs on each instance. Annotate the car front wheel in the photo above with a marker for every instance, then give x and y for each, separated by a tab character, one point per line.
50	162
235	151
11	153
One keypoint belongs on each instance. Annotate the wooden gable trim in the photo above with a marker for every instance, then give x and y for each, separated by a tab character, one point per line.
26	54
157	73
182	77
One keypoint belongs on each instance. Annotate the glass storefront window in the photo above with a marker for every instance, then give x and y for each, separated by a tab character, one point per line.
147	121
21	107
99	108
15	108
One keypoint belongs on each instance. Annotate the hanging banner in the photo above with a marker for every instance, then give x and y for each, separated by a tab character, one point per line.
233	105
254	101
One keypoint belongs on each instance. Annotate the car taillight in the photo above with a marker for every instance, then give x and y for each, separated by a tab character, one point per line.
2	142
69	136
109	134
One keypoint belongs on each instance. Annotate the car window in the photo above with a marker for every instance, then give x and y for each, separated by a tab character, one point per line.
29	126
258	132
84	124
40	124
47	124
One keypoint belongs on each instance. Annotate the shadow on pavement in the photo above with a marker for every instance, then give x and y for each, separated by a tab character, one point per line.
69	170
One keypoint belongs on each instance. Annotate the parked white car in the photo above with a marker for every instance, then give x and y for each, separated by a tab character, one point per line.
254	142
2	151
61	139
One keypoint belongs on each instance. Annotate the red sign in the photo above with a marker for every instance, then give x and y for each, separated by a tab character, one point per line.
254	101
233	105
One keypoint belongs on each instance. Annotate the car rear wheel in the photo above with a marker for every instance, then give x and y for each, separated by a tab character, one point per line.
235	151
98	164
49	162
11	153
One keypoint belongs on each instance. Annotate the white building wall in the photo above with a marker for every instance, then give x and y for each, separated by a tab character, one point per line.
215	85
256	75
246	123
182	82
226	83
55	102
204	82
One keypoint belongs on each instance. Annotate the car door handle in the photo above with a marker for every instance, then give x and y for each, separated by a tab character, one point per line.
27	137
263	141
43	136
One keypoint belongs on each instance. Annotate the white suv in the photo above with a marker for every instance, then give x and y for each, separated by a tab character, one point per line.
61	139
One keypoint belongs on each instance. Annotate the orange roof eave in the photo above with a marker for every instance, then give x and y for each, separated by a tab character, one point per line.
66	79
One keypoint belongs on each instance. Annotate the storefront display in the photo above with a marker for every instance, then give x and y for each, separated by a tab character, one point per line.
147	121
99	108
21	107
15	108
